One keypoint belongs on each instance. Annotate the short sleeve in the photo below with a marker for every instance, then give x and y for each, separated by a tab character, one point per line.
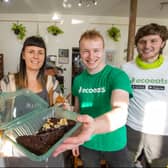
122	81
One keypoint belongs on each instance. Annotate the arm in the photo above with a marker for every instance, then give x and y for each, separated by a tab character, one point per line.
111	121
7	83
76	105
115	118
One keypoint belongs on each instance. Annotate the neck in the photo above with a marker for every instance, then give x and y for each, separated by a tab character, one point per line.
151	60
31	75
151	64
33	83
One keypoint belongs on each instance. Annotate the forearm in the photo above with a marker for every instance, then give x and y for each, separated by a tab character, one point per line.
111	121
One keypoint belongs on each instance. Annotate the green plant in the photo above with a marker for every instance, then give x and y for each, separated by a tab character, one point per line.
19	30
54	30
114	33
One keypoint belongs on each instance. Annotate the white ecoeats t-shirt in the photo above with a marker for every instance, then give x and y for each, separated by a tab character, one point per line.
148	109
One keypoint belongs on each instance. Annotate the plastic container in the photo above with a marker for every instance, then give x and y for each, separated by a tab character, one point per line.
32	123
16	105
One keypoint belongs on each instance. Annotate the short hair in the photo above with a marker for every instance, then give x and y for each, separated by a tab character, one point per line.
91	34
152	29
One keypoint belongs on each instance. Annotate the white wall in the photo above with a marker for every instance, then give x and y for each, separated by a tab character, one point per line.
10	46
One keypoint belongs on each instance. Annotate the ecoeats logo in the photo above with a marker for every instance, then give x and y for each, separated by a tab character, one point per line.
92	90
150	81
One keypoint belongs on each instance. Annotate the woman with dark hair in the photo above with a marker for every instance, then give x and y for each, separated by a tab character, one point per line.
31	76
31	71
27	48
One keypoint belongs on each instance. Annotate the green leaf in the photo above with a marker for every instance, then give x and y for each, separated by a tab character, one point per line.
114	33
54	30
19	30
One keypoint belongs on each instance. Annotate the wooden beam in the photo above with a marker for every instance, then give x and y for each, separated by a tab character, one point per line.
131	31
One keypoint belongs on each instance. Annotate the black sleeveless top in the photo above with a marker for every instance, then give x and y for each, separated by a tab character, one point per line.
44	95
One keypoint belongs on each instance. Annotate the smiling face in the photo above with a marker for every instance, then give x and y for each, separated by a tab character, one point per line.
34	57
149	47
92	54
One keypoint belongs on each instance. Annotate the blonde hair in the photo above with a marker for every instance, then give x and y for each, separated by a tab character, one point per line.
91	34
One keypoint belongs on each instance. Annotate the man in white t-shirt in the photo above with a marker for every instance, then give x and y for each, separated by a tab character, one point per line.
147	123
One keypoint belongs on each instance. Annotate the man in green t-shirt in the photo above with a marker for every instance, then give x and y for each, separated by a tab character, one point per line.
102	92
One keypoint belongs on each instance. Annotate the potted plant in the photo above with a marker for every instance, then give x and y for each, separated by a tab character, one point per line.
19	30
114	33
54	30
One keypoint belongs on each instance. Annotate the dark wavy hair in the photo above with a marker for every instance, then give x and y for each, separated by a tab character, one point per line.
21	76
152	29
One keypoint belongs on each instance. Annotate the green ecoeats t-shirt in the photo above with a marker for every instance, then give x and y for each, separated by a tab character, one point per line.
94	94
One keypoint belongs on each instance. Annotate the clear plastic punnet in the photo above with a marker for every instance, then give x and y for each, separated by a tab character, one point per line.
16	105
31	124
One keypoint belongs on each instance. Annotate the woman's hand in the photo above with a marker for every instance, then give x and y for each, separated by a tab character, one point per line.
83	134
75	151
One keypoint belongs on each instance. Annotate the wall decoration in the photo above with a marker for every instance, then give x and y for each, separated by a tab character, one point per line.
19	30
54	30
63	56
51	60
109	56
114	33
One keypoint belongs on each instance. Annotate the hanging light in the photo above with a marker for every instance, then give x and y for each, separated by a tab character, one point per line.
95	2
6	1
66	4
80	3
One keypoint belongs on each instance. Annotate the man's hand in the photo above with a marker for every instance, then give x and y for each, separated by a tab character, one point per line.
83	134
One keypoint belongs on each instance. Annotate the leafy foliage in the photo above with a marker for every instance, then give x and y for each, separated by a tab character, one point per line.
19	30
114	33
54	30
